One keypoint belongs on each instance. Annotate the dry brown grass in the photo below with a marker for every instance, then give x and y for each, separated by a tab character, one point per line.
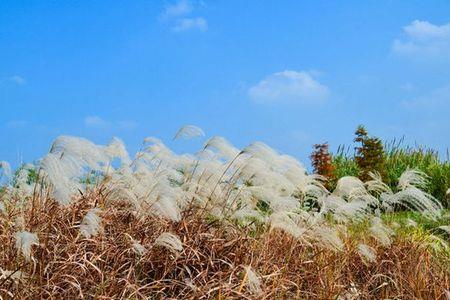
68	266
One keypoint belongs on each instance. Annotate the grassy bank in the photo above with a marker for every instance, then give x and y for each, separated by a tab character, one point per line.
89	221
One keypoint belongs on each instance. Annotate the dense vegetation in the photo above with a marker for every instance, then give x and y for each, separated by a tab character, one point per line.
89	221
389	161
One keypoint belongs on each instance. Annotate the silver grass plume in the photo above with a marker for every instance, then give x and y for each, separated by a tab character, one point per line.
252	281
367	253
189	132
284	222
412	178
349	187
91	224
377	185
416	199
24	241
138	248
381	232
222	146
13	275
328	238
5	168
170	241
70	158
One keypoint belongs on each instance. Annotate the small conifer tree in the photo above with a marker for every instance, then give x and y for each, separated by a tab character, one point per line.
369	156
321	160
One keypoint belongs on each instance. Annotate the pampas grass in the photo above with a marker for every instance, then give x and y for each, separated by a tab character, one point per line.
219	223
170	241
24	241
91	224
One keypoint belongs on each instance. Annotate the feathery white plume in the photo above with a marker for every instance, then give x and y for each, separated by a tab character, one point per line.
24	241
412	178
170	241
328	238
91	224
13	275
222	146
367	253
6	168
188	132
283	221
377	185
252	281
416	199
116	148
381	232
349	187
138	248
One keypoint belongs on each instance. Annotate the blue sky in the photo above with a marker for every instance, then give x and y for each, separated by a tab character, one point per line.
289	73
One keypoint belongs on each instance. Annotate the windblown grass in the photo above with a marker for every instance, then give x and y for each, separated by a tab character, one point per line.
211	263
398	159
222	223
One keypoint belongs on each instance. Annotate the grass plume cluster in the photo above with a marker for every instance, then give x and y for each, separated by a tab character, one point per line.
89	221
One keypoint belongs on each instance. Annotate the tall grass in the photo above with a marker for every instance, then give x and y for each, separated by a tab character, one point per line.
399	158
220	223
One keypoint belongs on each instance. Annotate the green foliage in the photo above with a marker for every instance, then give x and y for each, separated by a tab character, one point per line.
399	158
391	161
424	224
343	165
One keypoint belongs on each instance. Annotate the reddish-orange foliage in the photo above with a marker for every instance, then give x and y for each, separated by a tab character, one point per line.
321	160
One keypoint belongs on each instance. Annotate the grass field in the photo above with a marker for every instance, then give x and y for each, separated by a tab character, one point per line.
89	221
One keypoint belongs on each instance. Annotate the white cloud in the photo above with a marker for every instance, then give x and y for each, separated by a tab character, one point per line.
182	7
99	123
16	124
17	79
127	125
190	23
289	87
299	136
438	99
407	87
424	40
180	16
96	122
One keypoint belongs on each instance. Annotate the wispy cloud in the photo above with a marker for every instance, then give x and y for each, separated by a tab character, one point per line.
127	125
179	15
180	8
13	124
424	40
19	80
97	122
190	23
437	100
407	87
289	87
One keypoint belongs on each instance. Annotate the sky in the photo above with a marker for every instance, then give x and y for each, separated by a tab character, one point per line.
288	73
